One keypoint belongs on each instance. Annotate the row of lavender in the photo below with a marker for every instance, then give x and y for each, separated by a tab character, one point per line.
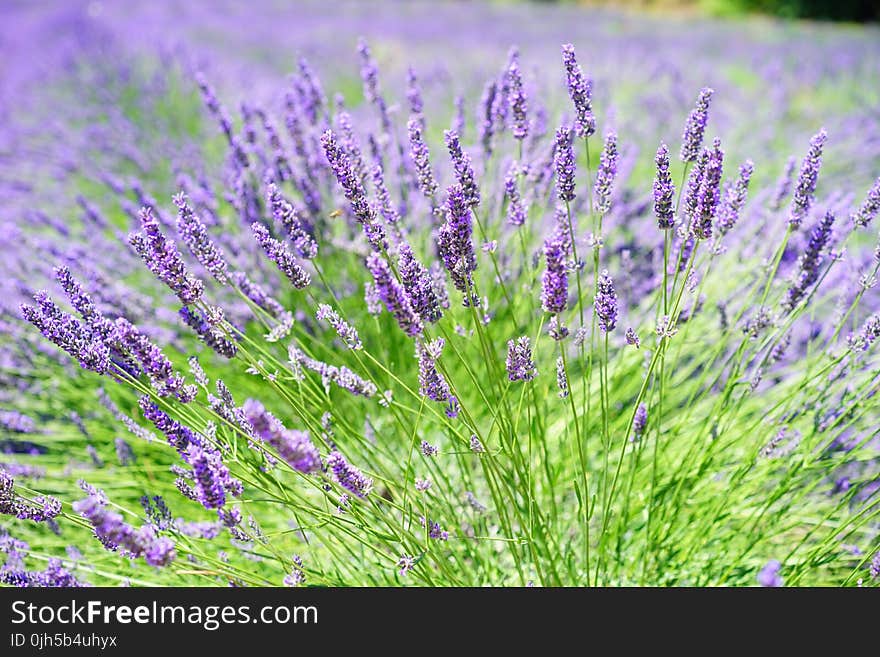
552	251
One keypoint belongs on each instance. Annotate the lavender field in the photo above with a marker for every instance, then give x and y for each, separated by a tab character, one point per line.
436	294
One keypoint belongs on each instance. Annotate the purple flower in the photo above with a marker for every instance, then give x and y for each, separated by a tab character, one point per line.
695	127
296	577
393	294
428	449
153	362
419	285
874	568
605	303
464	171
769	575
516	98
734	198
520	366
475	445
278	253
386	207
257	295
640	421
487	125
348	476
806	182
554	282
414	94
406	563
432	383
516	211
285	214
809	263
869	333
353	187
564	163
869	208
420	155
664	190
708	194
454	242
561	378
783	186
40	509
632	338
163	259
606	173
341	376
194	234
346	332
210	335
16	422
579	89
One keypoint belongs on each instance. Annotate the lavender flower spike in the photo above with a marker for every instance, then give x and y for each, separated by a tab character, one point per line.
454	242
606	303
664	190
421	158
163	259
734	198
806	183
809	263
517	100
194	234
869	208
554	283
419	285
520	366
516	211
579	90
695	127
640	421
561	378
285	214
347	333
708	194
464	170
348	476
564	162
432	383
278	253
394	295
606	173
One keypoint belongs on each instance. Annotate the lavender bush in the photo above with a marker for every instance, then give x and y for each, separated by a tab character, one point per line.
379	317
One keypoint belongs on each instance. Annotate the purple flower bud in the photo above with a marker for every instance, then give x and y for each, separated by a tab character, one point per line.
869	208
432	384
210	335
419	285
257	295
640	421
278	253
386	207
769	575
561	378
809	263
487	125
464	171
520	366
565	164
348	476
295	447
422	159
516	210
40	509
347	333
194	234
414	94
455	245
695	127
709	193
285	214
606	173
869	333
517	101
605	304
734	198
579	89
554	282
664	190
806	183
394	295
632	338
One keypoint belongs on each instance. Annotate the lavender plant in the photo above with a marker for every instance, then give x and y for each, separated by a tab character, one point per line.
344	343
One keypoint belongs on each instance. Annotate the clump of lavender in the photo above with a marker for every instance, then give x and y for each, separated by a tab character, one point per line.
348	476
564	164
163	259
809	263
664	190
520	366
869	207
278	253
606	174
806	182
579	90
695	127
394	296
734	198
464	170
605	303
455	244
347	333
